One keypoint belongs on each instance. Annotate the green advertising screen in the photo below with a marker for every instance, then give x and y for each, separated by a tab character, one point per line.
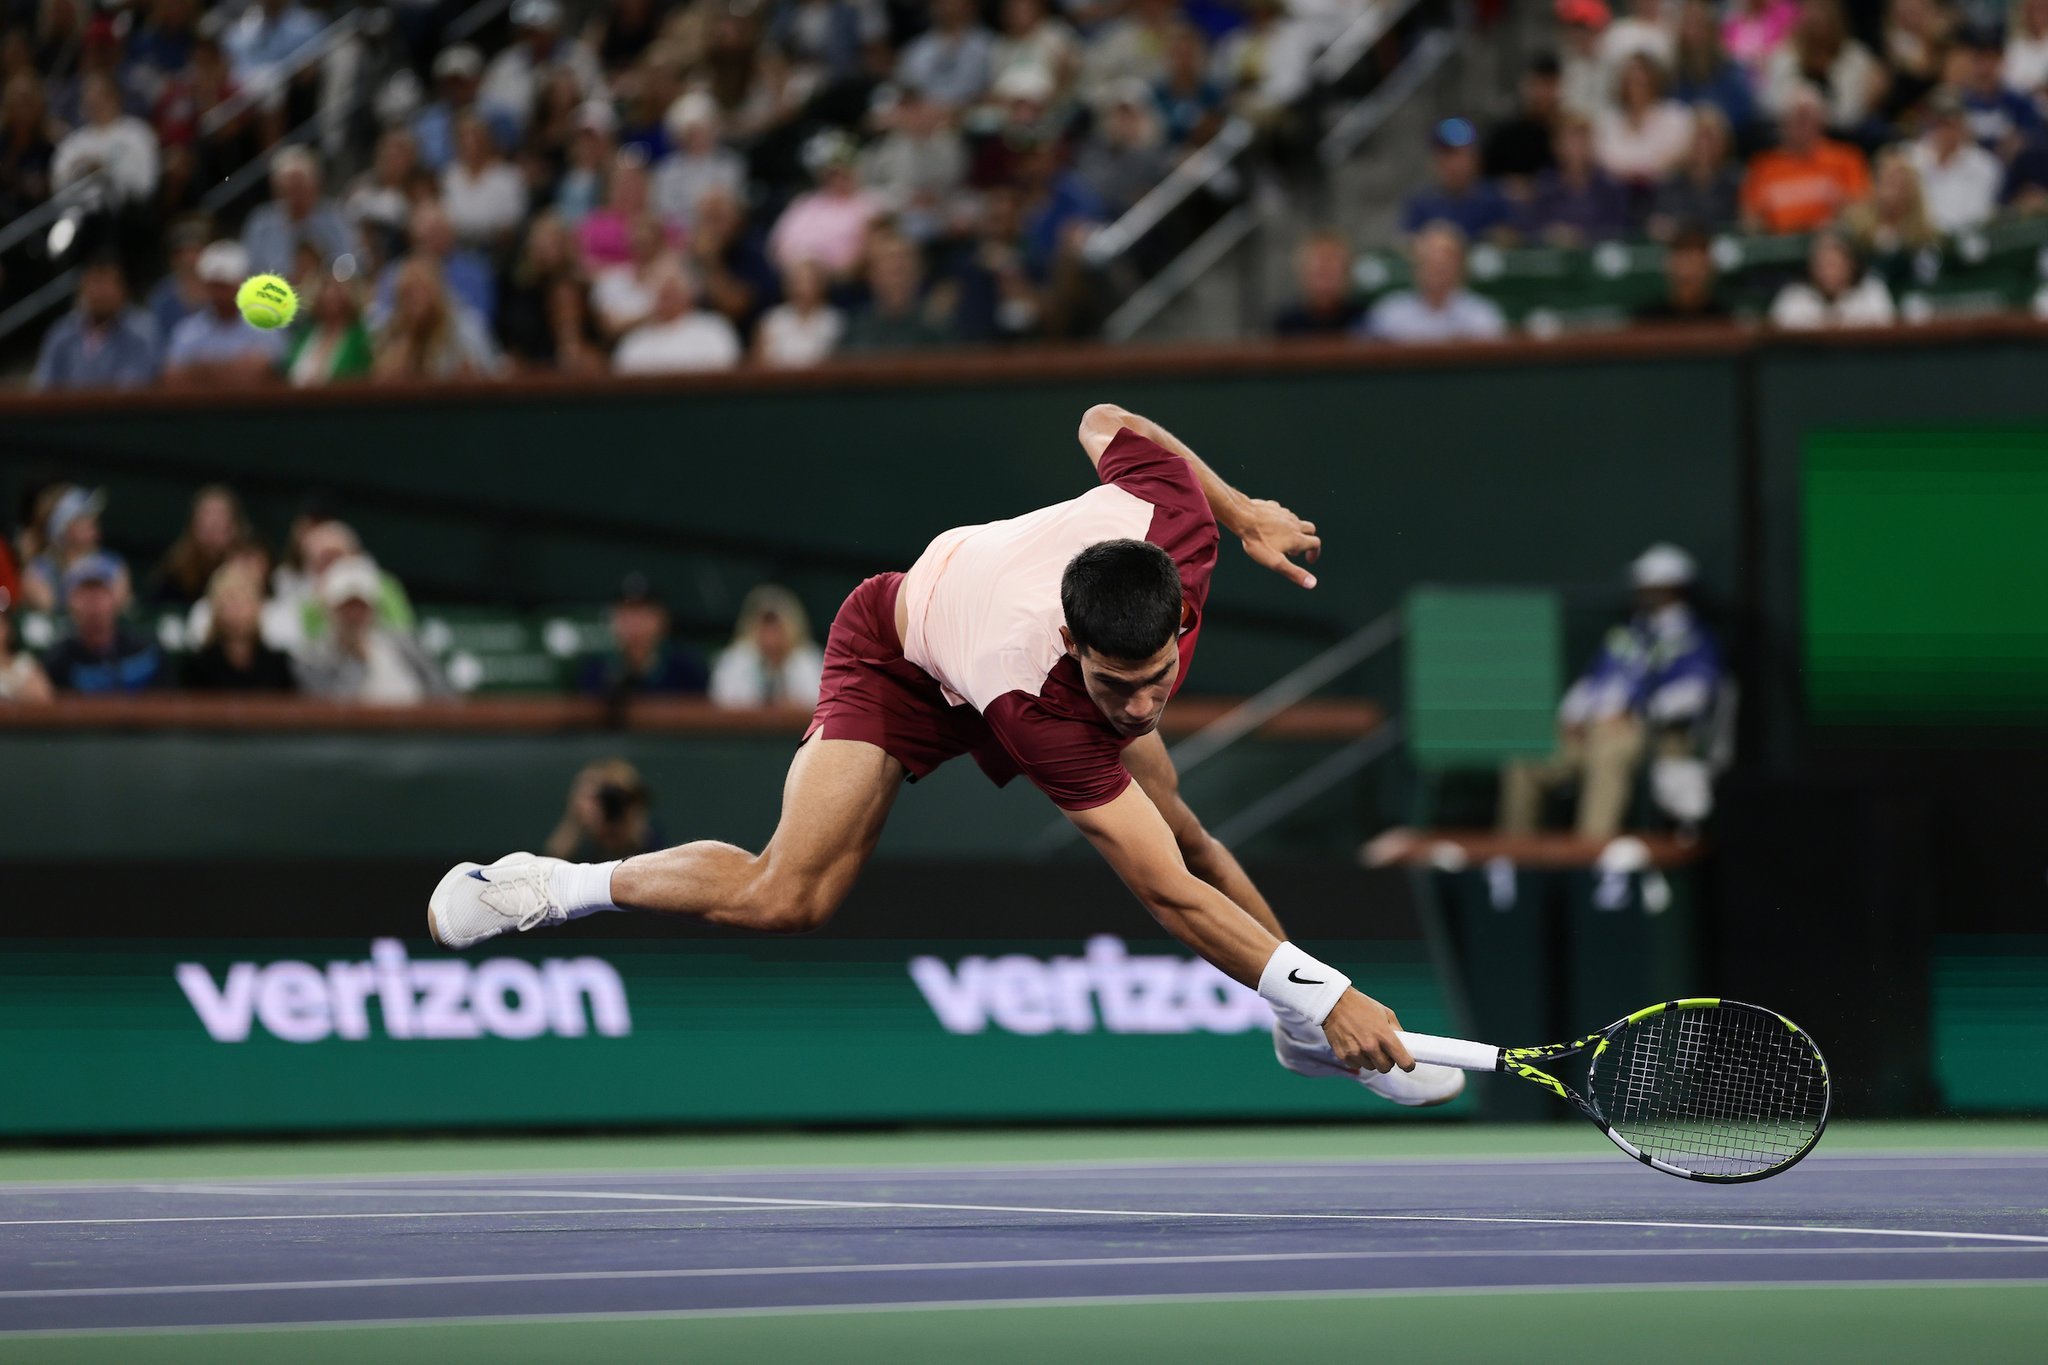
949	994
1925	558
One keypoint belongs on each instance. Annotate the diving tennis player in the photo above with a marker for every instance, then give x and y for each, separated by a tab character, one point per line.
1047	646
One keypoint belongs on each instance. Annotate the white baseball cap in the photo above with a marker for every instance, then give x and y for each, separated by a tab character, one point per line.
223	262
1663	566
352	578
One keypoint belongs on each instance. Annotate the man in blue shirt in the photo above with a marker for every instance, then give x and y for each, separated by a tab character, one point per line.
268	33
295	215
1439	307
214	348
2000	118
103	343
1654	681
644	658
1460	197
100	654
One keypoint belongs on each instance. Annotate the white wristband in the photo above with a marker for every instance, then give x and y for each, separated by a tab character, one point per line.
1295	981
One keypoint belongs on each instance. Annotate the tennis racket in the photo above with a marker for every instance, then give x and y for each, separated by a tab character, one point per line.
1707	1089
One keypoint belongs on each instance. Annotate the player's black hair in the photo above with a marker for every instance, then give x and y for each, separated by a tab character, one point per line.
1122	599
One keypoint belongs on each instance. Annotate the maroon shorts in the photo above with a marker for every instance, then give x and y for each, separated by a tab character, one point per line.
870	692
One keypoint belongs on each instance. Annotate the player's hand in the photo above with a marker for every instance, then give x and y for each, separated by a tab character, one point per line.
1275	537
1363	1034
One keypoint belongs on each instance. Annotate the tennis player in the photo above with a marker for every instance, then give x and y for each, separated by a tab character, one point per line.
1047	646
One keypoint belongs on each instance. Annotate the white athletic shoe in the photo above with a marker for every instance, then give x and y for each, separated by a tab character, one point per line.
1303	1050
474	902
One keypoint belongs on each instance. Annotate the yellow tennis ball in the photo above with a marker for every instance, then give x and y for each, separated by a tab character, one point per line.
267	301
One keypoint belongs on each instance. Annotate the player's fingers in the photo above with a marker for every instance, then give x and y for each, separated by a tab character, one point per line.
1281	564
1307	528
1397	1052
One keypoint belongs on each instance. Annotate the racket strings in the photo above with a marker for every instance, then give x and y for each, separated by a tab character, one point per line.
1717	1091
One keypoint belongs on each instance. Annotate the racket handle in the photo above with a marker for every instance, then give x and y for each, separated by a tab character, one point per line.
1427	1047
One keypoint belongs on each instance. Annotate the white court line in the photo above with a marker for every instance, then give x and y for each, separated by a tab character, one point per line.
739	1200
609	1209
1049	1263
1931	1158
970	1305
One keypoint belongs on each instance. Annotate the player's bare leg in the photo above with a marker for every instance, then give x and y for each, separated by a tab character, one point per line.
834	805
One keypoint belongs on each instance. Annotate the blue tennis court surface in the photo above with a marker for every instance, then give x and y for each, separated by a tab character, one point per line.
213	1253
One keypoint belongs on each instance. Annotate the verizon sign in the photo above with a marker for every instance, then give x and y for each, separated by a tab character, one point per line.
437	998
1107	987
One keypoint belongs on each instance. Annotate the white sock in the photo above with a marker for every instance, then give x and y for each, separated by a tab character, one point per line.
582	888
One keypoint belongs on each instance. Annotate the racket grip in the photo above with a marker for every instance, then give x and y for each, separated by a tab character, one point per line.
1427	1047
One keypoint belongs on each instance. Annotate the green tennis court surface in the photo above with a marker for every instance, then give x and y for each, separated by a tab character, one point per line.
1437	1242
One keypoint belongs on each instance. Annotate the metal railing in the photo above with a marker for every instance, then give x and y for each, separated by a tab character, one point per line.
1367	117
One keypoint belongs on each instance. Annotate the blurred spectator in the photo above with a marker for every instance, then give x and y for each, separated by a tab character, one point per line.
605	235
1326	304
1264	65
1755	29
456	72
772	660
1916	38
2026	179
1460	196
1132	46
266	37
111	141
180	293
1034	40
1585	82
1126	155
544	317
609	816
1806	180
483	194
1892	223
297	215
1645	135
2026	47
733	273
104	342
2000	118
1439	307
71	535
234	656
677	336
1653	683
359	659
511	83
1958	179
428	335
380	201
300	614
917	167
215	527
621	296
699	162
1190	104
642	659
997	298
101	654
1835	293
215	348
21	677
1703	74
828	224
897	316
195	157
804	328
26	145
1706	189
949	62
333	347
1576	203
1644	31
463	270
1520	147
620	31
1690	294
1822	56
844	38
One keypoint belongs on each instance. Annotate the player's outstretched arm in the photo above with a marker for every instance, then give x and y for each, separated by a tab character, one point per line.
1130	833
1272	535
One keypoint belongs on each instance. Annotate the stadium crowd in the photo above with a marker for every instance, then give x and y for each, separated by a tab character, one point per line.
322	619
1880	129
639	186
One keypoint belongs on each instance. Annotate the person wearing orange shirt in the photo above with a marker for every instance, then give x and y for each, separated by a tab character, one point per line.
1805	181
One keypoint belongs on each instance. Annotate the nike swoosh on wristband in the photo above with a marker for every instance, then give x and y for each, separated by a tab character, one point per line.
1294	976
